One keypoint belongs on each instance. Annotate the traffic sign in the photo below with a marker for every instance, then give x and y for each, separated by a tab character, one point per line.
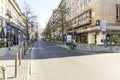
103	32
103	24
9	28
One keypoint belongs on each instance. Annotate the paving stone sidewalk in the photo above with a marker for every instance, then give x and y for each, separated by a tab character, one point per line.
7	58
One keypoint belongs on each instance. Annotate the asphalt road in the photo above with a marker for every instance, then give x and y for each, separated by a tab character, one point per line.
52	62
47	50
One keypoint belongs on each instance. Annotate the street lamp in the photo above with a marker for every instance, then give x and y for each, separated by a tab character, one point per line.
9	28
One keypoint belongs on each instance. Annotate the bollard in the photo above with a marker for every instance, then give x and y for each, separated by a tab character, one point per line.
24	48
111	48
117	48
23	52
3	72
76	49
16	64
91	47
20	57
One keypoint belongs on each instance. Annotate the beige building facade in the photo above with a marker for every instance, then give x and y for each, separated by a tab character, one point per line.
2	19
57	23
94	21
10	13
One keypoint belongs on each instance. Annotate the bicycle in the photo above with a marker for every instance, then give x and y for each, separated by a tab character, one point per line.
73	47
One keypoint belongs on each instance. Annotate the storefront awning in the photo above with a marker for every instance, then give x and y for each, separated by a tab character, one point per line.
19	28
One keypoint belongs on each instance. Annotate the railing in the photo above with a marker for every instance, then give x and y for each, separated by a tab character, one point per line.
92	47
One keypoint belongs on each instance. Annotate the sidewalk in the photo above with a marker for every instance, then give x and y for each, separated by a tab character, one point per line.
7	58
94	48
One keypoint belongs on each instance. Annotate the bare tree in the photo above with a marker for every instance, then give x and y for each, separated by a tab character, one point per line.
62	11
30	18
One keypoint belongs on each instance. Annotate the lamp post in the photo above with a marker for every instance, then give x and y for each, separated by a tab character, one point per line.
53	24
9	28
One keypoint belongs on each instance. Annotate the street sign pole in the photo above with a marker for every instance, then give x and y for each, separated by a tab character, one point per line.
103	25
9	40
104	42
9	29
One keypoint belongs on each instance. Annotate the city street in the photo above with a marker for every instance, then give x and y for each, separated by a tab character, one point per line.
52	62
61	40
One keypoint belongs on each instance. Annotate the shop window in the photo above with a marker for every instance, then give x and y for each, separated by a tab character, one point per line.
1	22
90	1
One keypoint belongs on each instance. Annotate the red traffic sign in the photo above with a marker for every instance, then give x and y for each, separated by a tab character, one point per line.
103	32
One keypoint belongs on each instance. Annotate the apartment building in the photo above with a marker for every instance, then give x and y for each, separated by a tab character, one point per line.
94	21
34	31
57	23
2	20
11	14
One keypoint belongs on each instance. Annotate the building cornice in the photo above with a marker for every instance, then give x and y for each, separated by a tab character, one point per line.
17	8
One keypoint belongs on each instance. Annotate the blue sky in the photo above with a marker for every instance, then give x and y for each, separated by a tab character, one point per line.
42	8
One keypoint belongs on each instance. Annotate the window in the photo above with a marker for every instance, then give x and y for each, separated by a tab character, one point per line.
1	22
84	3
90	1
118	13
1	1
81	5
1	10
72	4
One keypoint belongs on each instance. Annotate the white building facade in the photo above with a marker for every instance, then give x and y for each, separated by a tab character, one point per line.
10	13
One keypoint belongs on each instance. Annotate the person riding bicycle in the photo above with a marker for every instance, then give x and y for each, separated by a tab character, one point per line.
73	44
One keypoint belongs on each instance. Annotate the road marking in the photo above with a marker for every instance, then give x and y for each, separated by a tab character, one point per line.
37	48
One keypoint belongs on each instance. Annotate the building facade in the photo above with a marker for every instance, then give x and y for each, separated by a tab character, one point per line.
57	23
94	21
10	14
2	20
34	31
